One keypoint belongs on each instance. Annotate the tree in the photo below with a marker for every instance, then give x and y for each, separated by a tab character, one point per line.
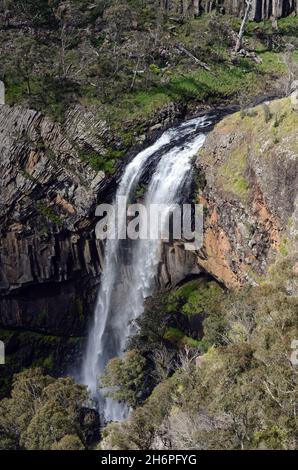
242	394
125	377
44	412
163	360
243	25
47	427
27	391
6	4
68	442
61	11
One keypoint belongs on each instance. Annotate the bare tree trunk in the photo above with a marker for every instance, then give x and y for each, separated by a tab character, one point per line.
28	85
243	25
63	48
189	54
135	75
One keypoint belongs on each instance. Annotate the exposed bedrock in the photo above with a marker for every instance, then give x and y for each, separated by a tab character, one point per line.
50	260
48	197
250	166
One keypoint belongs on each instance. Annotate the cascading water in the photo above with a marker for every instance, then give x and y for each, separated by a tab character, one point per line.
129	275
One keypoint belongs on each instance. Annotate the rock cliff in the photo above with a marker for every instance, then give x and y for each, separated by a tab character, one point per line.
50	260
249	163
47	196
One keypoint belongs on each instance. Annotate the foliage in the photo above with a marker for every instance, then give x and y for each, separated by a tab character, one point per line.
151	325
68	442
122	57
197	297
106	163
125	377
43	413
48	213
241	394
179	338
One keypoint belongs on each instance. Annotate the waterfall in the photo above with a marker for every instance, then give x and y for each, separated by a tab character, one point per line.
130	268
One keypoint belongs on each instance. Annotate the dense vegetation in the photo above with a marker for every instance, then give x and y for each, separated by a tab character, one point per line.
126	60
44	413
240	394
232	387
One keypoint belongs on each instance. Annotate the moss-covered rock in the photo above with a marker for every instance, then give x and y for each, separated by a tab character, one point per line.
249	162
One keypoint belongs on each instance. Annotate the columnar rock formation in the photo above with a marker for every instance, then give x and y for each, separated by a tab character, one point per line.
47	197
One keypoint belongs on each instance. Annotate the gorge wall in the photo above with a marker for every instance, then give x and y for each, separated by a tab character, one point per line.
250	195
50	260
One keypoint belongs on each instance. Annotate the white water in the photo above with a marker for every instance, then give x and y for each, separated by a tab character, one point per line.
130	271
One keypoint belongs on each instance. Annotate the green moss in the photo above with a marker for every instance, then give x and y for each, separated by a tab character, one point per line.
106	163
283	248
179	339
48	213
231	175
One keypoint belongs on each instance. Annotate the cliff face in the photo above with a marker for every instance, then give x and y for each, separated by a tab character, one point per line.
250	165
261	9
50	260
47	197
48	200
